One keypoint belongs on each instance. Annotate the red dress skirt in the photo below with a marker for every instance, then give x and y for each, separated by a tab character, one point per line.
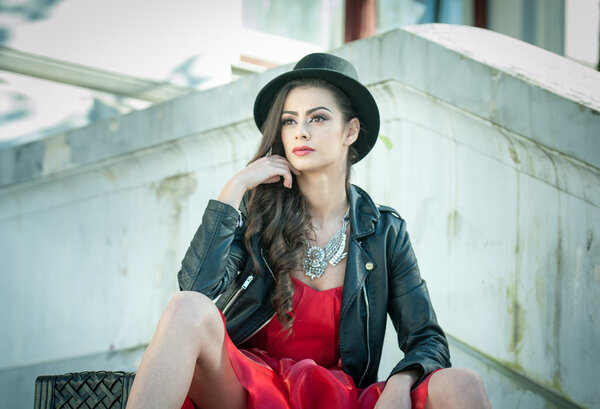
304	369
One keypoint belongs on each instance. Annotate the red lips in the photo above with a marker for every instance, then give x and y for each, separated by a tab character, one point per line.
302	150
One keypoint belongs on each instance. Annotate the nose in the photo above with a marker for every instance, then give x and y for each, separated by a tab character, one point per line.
303	132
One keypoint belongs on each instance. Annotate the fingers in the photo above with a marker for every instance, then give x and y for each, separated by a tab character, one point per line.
268	169
281	167
287	163
284	172
273	179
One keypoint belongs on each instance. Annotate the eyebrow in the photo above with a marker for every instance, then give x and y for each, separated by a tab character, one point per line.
310	111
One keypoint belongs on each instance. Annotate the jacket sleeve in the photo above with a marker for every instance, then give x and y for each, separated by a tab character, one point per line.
419	336
216	252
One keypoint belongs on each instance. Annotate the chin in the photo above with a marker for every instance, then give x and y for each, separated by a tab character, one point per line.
313	167
300	163
310	164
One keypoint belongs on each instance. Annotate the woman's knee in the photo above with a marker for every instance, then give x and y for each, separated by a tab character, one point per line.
192	311
458	375
457	380
471	379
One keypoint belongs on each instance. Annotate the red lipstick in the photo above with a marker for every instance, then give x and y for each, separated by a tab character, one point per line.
302	150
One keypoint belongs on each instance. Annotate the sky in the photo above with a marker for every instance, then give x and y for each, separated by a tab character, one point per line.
143	38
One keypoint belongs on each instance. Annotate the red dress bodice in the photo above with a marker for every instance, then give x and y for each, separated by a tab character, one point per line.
315	332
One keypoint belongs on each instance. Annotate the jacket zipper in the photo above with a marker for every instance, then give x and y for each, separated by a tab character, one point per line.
237	293
368	344
271	317
267	264
243	287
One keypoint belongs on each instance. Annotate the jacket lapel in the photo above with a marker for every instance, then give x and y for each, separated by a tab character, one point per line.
363	216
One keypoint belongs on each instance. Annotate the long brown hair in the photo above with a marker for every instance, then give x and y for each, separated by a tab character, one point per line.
278	215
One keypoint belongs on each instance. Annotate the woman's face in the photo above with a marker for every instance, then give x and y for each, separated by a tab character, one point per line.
313	131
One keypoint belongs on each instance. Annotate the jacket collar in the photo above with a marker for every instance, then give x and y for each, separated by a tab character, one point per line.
363	213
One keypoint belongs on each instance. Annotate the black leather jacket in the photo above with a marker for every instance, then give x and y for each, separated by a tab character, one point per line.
382	277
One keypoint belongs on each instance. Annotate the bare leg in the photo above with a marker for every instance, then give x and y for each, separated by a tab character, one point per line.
187	355
456	388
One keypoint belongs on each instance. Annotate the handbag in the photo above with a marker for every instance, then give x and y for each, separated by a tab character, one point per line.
99	390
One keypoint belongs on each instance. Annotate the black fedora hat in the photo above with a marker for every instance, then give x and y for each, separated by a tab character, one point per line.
338	72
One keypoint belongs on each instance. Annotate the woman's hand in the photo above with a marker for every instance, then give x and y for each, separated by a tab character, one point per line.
268	169
396	394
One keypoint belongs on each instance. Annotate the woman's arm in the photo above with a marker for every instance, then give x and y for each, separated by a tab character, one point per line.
268	169
419	335
217	251
396	394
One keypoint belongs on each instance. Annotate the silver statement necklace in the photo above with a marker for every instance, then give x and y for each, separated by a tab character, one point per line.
317	258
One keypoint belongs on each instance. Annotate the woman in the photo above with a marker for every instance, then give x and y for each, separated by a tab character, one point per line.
306	274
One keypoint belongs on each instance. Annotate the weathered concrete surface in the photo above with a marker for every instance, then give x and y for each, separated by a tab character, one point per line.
505	233
502	206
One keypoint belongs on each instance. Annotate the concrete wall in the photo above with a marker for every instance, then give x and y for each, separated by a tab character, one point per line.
492	157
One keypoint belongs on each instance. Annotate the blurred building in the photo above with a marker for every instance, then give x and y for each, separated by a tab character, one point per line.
66	63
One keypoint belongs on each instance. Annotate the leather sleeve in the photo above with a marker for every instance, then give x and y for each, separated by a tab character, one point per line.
419	336
216	252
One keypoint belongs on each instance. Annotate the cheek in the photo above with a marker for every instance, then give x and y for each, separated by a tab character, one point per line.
286	139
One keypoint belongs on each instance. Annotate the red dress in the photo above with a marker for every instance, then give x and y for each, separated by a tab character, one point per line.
304	369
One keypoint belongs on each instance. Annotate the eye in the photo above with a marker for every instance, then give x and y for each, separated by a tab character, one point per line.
318	118
287	121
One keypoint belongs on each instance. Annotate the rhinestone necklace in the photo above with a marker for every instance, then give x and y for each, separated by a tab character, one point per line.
316	258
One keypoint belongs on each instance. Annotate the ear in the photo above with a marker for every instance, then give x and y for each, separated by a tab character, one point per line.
352	130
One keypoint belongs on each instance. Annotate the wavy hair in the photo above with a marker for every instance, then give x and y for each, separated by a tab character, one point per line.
278	215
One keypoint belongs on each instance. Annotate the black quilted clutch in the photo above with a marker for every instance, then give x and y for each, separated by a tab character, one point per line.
98	390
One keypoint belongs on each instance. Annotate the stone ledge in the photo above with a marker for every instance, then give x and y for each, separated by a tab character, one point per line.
546	98
515	85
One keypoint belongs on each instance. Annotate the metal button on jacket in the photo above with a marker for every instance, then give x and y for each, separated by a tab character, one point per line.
369	266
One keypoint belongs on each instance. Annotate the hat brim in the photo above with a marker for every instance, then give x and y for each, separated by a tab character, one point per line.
362	101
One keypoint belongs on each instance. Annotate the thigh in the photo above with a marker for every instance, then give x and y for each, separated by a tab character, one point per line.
214	384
